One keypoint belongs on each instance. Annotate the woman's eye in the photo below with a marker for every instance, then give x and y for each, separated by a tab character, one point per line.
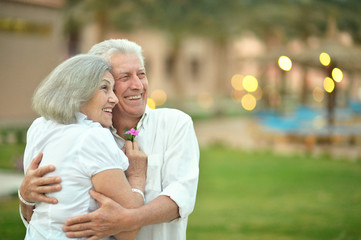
104	87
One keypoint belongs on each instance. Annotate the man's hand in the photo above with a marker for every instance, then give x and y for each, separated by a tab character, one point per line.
35	185
109	219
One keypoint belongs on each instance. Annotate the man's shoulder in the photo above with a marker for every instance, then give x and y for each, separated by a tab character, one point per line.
167	113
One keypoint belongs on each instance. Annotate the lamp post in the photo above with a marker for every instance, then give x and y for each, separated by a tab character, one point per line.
285	64
334	76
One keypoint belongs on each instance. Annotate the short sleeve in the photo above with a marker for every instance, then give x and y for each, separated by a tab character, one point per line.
99	152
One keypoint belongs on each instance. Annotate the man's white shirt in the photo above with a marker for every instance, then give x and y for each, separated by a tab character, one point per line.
168	138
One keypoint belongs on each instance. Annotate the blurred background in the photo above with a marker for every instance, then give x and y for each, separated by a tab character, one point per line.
273	87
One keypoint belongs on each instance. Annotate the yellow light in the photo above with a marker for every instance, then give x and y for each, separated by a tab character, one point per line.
325	59
205	100
248	102
151	103
236	82
285	63
337	74
318	94
250	83
328	84
159	97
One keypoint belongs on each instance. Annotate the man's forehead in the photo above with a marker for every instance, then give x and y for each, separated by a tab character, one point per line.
126	70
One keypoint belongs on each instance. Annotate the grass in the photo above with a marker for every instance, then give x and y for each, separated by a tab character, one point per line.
11	155
11	226
260	195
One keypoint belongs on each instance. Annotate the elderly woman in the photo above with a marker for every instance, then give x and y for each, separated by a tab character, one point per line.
75	103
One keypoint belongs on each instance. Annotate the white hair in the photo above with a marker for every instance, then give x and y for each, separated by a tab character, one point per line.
71	84
109	47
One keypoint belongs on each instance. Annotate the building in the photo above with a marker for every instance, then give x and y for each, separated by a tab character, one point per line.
31	45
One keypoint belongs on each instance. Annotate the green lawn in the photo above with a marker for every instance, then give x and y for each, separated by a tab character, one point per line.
259	195
11	155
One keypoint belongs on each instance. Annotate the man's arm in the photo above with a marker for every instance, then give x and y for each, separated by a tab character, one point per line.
162	209
111	217
34	186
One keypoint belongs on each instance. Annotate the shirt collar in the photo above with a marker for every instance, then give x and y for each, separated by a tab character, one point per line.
80	117
143	120
83	119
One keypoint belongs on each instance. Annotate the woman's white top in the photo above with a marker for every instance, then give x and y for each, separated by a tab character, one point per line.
78	151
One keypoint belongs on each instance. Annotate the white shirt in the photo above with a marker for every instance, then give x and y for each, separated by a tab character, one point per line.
78	152
168	138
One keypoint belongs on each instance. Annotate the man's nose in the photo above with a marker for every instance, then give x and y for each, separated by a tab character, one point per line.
136	83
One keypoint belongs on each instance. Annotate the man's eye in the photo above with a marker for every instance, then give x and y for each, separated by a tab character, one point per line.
123	77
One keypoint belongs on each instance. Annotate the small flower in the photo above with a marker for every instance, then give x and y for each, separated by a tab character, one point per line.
131	134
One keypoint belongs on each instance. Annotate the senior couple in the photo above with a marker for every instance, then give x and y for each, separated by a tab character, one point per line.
83	178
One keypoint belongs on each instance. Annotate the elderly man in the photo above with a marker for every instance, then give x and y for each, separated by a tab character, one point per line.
166	135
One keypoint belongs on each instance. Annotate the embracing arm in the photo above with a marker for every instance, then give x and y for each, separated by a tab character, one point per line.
180	179
113	189
162	209
35	185
113	184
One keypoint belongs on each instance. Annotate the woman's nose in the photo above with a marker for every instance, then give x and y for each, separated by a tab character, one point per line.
113	98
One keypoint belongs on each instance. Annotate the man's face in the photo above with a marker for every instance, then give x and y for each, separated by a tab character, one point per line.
131	85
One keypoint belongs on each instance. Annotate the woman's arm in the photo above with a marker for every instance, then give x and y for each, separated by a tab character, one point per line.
114	184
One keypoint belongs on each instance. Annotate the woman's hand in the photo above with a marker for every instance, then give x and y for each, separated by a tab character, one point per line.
137	170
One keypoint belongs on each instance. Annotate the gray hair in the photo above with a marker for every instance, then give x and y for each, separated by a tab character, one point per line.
71	84
109	47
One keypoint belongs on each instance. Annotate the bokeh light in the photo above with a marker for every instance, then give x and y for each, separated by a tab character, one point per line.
318	94
337	74
248	102
325	59
285	63
236	82
250	83
151	103
328	84
205	100
159	97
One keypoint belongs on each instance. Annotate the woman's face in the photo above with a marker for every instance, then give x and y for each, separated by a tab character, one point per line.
99	108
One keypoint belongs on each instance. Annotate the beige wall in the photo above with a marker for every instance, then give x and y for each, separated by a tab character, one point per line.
27	56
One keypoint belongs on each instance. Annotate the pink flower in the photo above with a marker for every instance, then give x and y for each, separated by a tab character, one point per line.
131	134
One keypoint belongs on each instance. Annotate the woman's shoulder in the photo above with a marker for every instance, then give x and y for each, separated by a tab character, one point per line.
98	137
